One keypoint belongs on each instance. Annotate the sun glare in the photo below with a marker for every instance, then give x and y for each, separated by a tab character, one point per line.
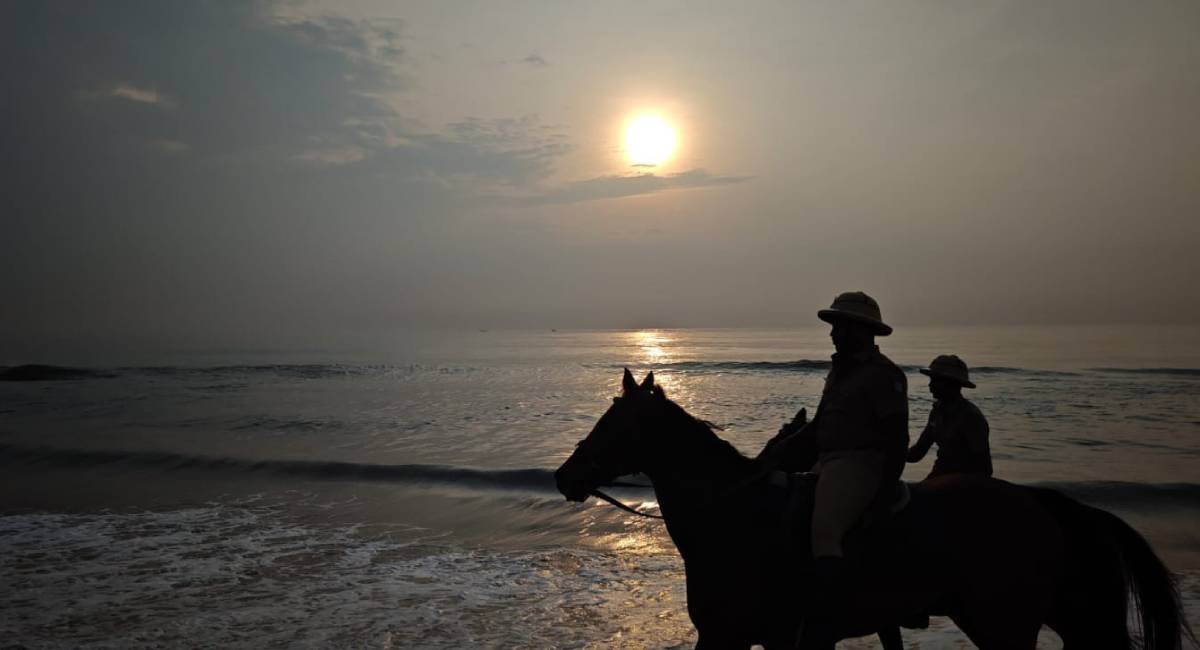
649	141
650	345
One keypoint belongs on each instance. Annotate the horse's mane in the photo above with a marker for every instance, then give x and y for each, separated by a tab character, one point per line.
704	428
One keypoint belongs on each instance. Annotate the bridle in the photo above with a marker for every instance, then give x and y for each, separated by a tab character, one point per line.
596	492
598	448
617	502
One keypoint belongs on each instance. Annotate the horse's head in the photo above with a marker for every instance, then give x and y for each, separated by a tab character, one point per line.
615	446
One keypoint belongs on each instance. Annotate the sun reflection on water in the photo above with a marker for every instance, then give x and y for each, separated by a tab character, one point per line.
636	542
651	345
609	529
660	351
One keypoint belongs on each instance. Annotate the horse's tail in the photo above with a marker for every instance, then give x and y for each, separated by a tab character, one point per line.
1112	569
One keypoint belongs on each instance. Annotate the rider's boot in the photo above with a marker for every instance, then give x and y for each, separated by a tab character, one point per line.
830	598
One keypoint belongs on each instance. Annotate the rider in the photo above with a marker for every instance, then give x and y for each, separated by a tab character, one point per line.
955	424
860	433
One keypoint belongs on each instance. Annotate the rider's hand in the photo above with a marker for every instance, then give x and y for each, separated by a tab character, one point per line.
798	421
795	425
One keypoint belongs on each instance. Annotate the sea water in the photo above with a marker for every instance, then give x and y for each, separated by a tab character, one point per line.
399	492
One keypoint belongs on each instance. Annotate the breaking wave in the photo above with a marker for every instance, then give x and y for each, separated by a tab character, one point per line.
39	372
1002	370
813	365
803	365
1122	493
1111	493
1182	372
511	479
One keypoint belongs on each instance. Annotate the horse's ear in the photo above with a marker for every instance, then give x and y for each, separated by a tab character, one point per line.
648	382
628	383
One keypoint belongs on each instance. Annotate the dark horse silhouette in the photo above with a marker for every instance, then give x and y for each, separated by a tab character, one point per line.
1000	560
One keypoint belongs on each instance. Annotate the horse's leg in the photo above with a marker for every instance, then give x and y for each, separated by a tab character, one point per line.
889	638
993	629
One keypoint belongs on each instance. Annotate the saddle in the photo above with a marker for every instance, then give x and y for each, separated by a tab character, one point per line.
795	492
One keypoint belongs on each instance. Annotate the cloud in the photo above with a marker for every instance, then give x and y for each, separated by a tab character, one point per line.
536	60
181	168
243	85
613	187
240	83
472	159
122	214
142	95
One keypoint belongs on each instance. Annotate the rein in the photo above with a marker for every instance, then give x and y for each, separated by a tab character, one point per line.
726	493
616	502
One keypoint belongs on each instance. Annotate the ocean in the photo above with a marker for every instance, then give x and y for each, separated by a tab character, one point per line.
399	493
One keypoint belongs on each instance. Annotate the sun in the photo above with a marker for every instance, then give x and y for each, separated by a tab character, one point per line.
649	141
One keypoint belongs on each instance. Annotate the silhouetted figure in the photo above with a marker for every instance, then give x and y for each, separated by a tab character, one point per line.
860	435
1001	560
955	424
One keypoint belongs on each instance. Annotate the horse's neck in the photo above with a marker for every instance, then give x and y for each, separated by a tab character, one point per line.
698	470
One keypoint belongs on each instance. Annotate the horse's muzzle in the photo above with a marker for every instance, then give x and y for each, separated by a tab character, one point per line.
569	482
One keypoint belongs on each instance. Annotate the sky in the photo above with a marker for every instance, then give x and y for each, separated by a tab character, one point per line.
215	173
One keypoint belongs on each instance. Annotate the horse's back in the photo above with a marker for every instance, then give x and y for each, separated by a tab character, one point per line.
979	518
973	536
964	544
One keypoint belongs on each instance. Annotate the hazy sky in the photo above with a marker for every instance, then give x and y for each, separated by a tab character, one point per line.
202	173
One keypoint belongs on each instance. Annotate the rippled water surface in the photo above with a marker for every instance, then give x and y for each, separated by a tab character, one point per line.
401	496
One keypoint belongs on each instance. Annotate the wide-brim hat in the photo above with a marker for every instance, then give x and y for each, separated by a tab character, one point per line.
949	366
856	306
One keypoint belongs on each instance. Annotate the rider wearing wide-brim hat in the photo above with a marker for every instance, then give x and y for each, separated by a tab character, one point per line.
857	307
861	425
949	366
860	435
956	425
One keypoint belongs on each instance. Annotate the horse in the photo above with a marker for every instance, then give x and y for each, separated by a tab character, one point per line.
1000	560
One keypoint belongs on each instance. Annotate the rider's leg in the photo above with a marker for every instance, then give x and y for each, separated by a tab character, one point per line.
846	485
890	639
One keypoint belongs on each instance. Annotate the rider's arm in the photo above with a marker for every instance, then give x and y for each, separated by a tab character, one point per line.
926	441
977	444
889	397
896	428
798	452
976	433
787	431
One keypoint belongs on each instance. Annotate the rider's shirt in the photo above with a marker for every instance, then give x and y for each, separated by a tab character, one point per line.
855	458
961	433
861	392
